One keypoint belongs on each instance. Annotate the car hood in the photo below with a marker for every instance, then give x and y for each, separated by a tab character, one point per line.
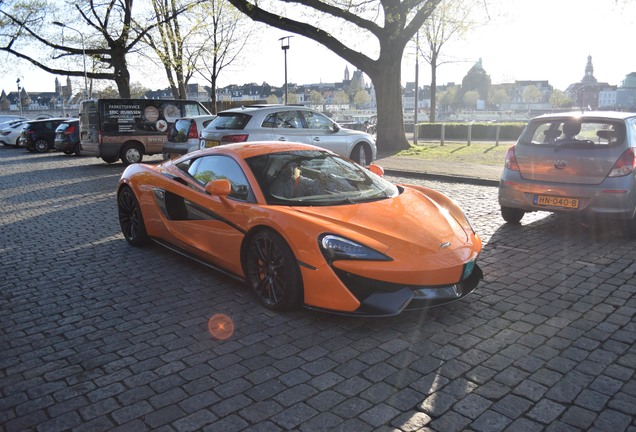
410	222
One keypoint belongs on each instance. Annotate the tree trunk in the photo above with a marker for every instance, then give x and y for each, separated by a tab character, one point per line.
433	114
122	79
388	92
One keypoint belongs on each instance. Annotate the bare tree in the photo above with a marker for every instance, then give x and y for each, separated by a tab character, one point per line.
225	33
452	18
170	41
107	31
391	22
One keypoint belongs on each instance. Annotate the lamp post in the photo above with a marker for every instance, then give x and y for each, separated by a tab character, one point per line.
59	24
19	95
284	45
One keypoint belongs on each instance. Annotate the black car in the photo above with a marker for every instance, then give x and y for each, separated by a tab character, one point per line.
39	135
67	137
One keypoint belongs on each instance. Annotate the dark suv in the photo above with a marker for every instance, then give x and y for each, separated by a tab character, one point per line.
39	135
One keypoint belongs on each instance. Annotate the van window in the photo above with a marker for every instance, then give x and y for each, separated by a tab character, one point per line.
193	110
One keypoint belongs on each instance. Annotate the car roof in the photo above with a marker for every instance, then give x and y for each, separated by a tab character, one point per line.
266	107
613	115
247	150
49	119
198	117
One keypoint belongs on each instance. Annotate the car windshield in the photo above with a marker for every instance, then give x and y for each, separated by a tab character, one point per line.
574	132
316	178
229	120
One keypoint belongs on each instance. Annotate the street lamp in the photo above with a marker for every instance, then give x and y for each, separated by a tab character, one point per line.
59	24
19	95
284	45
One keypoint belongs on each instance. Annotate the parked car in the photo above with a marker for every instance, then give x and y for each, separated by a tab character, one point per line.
575	163
301	225
288	123
39	135
11	131
184	135
6	118
67	137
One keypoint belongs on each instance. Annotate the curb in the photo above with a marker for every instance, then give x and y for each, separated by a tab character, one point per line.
442	177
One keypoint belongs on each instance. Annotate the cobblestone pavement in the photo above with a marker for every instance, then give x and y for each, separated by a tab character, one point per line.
96	335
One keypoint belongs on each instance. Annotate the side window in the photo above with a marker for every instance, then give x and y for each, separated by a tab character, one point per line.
316	120
192	110
289	120
270	121
210	168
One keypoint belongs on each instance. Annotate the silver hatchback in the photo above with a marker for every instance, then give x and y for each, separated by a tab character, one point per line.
582	163
288	123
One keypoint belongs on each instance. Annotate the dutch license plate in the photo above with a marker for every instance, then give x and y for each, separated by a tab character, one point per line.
554	201
209	144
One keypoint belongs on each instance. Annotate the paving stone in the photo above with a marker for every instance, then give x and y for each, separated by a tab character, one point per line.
546	342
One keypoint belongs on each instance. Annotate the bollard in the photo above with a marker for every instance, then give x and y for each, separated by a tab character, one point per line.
470	131
442	133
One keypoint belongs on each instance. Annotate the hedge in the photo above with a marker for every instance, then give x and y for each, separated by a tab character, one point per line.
480	131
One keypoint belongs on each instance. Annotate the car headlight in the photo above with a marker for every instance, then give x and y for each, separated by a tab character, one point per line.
468	269
334	247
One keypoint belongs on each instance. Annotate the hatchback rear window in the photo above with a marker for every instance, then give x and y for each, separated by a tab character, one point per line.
178	132
574	132
230	121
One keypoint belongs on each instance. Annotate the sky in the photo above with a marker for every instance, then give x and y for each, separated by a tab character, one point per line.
523	40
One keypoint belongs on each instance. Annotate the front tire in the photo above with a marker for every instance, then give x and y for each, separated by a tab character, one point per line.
130	219
273	273
512	215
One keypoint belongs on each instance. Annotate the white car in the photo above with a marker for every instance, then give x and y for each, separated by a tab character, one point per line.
10	132
288	123
184	135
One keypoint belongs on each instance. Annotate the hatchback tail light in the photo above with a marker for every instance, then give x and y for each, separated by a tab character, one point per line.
69	130
626	164
511	159
193	132
234	138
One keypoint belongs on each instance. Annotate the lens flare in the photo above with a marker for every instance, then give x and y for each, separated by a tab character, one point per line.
221	326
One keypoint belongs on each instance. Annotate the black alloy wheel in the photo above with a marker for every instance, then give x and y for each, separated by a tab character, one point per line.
41	146
273	273
130	218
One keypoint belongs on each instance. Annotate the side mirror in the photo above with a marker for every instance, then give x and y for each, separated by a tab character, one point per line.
376	169
220	187
335	128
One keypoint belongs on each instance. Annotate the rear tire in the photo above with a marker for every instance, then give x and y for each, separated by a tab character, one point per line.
130	219
361	154
512	215
41	146
131	153
77	149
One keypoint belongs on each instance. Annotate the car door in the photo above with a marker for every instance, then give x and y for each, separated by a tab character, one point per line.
323	132
288	126
207	225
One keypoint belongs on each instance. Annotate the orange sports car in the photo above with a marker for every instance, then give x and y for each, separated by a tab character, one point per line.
304	226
